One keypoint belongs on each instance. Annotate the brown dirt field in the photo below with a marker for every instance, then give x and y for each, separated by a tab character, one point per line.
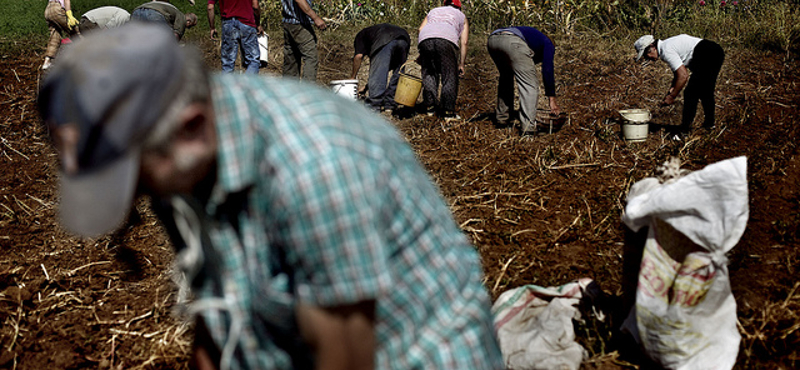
541	210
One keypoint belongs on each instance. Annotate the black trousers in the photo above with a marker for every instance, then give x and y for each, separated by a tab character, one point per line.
439	61
705	65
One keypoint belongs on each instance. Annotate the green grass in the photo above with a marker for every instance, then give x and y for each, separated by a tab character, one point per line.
24	18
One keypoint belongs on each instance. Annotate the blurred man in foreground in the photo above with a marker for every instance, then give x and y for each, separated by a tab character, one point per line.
311	236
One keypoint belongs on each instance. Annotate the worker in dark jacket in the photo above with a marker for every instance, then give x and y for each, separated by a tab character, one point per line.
387	46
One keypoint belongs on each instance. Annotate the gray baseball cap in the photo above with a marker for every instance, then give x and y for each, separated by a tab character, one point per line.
641	45
109	88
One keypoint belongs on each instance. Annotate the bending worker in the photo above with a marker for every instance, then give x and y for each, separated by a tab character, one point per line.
387	47
516	51
443	39
62	23
289	208
703	57
103	18
162	12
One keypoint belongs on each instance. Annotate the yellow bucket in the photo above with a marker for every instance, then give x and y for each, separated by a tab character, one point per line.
408	88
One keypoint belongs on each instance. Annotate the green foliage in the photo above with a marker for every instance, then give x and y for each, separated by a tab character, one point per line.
763	24
270	14
357	11
771	25
777	27
21	18
408	14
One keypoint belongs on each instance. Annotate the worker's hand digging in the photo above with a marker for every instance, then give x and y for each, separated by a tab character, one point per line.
668	100
555	110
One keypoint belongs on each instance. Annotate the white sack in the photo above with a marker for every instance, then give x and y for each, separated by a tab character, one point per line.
685	314
534	326
708	206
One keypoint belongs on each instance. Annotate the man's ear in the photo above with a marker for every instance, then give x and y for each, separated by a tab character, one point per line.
195	122
65	139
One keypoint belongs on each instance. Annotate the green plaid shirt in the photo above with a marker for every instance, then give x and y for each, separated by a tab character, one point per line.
319	201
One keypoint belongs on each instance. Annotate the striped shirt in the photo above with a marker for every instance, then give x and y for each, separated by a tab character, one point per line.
293	14
318	201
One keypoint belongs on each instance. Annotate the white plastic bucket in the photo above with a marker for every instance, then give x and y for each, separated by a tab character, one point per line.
635	131
635	115
348	88
635	124
263	48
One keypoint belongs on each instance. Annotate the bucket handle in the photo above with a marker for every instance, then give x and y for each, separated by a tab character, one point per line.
402	69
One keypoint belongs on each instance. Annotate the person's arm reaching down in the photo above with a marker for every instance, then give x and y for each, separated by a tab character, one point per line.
343	337
548	76
356	64
257	16
213	32
679	79
464	39
71	21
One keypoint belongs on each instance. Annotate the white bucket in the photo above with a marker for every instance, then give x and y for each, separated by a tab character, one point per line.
348	88
263	43
635	132
635	115
634	125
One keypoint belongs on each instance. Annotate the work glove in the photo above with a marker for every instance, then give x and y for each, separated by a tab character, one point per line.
71	21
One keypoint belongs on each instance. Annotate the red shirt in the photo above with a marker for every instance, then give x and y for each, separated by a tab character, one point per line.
239	9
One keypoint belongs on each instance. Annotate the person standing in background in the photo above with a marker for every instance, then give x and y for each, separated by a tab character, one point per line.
61	23
387	46
300	40
443	33
241	25
516	51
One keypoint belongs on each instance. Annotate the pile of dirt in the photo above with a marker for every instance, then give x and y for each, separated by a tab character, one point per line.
541	210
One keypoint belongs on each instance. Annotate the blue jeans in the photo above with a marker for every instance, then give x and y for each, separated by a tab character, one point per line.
389	58
239	36
151	16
